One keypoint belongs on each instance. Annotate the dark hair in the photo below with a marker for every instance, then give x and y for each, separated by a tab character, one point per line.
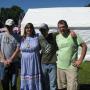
1	25
31	26
63	22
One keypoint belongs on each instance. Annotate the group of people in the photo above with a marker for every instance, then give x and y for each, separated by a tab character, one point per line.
48	62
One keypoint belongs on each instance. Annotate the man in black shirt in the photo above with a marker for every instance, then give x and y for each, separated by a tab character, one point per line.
48	57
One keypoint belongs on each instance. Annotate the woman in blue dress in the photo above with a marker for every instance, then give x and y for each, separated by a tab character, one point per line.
30	60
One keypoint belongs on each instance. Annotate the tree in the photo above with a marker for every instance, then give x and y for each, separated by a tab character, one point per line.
14	12
88	5
2	15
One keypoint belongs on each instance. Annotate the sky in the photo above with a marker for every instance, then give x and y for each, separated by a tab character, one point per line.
26	4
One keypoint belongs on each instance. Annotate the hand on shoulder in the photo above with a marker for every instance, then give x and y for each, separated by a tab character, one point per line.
73	34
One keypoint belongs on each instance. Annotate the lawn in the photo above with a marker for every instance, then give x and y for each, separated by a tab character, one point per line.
84	74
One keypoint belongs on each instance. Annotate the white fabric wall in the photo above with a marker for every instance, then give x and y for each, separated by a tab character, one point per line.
75	16
85	35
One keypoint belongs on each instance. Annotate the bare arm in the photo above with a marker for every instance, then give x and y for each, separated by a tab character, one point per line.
14	55
2	59
83	53
1	56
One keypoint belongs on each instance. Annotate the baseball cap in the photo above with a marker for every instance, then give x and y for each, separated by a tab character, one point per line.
44	26
9	22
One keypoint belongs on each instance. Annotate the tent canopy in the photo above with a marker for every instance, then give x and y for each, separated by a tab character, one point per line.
75	16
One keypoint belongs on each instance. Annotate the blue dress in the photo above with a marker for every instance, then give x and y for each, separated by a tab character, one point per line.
30	64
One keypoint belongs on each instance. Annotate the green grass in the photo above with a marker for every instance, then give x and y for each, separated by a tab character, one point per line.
18	84
84	74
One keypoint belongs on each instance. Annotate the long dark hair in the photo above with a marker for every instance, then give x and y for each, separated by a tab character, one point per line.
31	26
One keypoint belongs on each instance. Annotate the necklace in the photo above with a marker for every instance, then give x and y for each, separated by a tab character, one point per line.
27	43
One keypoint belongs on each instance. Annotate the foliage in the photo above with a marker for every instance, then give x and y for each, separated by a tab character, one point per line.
14	12
88	5
84	73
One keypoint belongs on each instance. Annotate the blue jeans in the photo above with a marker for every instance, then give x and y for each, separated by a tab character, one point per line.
10	77
49	76
1	71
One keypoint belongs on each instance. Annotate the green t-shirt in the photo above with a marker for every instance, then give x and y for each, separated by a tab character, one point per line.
67	50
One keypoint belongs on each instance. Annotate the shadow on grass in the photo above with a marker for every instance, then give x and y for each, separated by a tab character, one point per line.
84	87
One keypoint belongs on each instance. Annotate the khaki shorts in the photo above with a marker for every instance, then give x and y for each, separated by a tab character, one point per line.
67	78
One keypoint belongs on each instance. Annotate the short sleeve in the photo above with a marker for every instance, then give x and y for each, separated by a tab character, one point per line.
17	40
79	39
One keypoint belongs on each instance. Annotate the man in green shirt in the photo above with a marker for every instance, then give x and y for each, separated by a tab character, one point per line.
67	56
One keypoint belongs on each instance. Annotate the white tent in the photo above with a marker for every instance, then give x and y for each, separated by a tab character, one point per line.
78	18
75	16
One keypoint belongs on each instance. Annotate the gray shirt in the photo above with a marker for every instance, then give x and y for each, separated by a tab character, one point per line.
8	44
